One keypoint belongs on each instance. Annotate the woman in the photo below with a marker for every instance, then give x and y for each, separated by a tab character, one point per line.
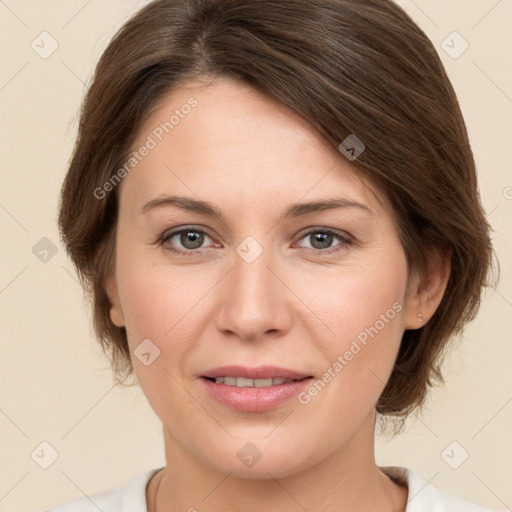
274	207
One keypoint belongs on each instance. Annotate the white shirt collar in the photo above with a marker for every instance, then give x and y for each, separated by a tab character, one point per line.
131	497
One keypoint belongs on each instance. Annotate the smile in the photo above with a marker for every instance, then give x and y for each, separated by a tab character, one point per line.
243	382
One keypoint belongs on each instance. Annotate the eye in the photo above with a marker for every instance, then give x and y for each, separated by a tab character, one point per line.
322	240
187	240
190	240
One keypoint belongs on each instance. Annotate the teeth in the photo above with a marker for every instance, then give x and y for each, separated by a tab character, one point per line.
263	383
242	382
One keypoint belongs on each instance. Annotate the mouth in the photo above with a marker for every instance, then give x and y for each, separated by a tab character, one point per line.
243	382
254	389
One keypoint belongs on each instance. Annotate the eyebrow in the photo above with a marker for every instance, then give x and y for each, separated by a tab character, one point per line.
292	211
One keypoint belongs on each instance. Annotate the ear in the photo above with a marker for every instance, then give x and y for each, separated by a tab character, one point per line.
426	291
116	312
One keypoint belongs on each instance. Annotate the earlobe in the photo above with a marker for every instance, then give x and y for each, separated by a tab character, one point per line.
116	313
427	292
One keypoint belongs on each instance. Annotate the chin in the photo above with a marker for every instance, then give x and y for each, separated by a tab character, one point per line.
261	459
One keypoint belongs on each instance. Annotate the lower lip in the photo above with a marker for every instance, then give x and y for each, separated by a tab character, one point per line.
255	399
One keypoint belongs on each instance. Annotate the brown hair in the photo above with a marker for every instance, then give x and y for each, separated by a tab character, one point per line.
348	67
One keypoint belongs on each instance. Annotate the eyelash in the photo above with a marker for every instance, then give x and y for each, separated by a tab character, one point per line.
345	240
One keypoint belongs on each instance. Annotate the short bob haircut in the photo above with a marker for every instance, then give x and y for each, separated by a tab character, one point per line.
347	67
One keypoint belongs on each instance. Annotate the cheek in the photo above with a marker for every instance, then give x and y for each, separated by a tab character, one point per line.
356	300
363	309
154	294
158	306
166	305
159	318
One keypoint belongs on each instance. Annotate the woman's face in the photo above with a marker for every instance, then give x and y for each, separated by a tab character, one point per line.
259	281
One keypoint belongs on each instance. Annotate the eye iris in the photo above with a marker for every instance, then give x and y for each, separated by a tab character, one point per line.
323	238
196	239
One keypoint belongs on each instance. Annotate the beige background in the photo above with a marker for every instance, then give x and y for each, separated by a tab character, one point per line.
55	385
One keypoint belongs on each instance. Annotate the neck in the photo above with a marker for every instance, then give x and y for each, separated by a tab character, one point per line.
347	480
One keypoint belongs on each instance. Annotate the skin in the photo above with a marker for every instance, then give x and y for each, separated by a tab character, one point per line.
293	306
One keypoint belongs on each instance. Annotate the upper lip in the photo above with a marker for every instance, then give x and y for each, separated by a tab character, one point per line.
255	372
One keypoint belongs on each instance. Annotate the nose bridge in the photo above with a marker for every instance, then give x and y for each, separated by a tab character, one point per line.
251	272
254	302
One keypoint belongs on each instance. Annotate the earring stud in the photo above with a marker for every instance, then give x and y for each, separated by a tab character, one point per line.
420	317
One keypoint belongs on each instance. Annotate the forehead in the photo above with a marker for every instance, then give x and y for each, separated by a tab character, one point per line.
208	136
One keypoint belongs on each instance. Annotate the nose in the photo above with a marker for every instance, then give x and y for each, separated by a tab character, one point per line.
255	303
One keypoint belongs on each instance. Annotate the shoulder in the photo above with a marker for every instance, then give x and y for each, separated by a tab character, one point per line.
129	497
424	497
